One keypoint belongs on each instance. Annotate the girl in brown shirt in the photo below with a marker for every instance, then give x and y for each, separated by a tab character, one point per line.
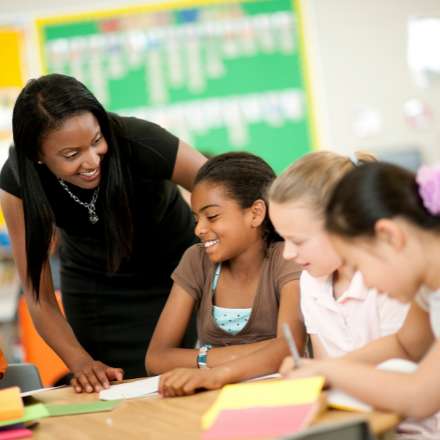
236	280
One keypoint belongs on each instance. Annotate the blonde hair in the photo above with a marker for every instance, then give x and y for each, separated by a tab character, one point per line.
313	178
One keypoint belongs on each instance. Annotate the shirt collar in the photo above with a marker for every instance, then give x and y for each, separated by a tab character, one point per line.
356	289
324	292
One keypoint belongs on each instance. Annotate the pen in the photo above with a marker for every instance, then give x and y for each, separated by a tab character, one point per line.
292	346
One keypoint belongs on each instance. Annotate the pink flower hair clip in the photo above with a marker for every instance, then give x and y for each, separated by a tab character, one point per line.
428	179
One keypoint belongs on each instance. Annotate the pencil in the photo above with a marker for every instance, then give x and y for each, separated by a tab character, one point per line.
292	346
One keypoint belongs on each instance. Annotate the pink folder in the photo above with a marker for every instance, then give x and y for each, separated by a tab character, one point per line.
262	421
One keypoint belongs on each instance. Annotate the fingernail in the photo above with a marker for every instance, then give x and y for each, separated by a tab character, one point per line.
89	389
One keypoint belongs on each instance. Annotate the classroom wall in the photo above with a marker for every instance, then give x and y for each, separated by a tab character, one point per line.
21	8
357	52
358	56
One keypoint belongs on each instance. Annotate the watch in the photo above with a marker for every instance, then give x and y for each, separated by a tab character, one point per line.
202	357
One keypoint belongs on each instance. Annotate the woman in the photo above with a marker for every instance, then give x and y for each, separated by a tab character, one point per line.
104	182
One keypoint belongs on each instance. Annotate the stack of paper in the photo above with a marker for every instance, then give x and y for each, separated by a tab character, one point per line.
31	413
14	426
270	408
11	409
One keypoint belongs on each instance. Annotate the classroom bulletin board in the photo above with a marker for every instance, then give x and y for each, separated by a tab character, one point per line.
221	75
11	74
11	77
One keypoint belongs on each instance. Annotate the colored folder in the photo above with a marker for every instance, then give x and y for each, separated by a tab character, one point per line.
262	421
277	393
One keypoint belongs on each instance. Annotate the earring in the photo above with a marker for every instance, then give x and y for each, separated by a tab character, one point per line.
39	162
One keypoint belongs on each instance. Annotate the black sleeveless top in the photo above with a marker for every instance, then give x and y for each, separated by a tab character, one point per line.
163	223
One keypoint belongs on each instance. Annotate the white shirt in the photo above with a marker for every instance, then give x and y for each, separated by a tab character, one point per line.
351	321
430	302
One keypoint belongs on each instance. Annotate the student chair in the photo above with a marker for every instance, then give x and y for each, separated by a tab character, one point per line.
36	351
25	376
356	429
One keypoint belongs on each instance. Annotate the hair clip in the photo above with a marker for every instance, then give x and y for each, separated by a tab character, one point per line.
354	160
428	180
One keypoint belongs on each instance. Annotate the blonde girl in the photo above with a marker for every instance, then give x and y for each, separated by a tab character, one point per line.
340	313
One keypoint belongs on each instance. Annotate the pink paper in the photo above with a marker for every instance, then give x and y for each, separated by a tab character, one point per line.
14	433
261	422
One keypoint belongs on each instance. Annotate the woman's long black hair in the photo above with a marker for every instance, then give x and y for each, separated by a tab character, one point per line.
43	105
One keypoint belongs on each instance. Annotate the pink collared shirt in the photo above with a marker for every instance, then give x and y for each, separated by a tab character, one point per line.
351	321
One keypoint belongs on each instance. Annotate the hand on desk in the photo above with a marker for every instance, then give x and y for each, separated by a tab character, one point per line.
184	381
93	376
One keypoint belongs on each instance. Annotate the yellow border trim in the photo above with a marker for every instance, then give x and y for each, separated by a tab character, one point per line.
307	75
128	10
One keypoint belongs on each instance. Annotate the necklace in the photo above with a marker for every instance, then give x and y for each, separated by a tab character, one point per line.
93	217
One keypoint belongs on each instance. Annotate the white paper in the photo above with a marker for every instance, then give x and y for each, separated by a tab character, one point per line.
267	376
339	399
130	390
40	390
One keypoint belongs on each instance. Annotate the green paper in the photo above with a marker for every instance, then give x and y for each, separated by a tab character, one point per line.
31	412
279	80
56	410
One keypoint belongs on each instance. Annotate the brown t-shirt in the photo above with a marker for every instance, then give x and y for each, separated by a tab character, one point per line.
194	274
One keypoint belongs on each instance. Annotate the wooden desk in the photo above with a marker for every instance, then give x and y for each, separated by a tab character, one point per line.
157	418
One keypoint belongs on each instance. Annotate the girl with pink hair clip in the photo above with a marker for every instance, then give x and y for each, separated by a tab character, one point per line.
385	222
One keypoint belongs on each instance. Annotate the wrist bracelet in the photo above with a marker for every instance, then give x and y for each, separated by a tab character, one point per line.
202	357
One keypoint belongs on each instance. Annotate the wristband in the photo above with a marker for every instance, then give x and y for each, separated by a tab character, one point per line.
202	357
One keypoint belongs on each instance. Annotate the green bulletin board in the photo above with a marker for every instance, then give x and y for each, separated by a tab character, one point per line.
222	76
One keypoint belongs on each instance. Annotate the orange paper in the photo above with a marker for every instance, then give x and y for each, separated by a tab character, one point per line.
11	405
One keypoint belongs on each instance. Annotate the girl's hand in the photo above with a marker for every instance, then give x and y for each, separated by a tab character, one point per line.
309	367
286	366
93	376
184	381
